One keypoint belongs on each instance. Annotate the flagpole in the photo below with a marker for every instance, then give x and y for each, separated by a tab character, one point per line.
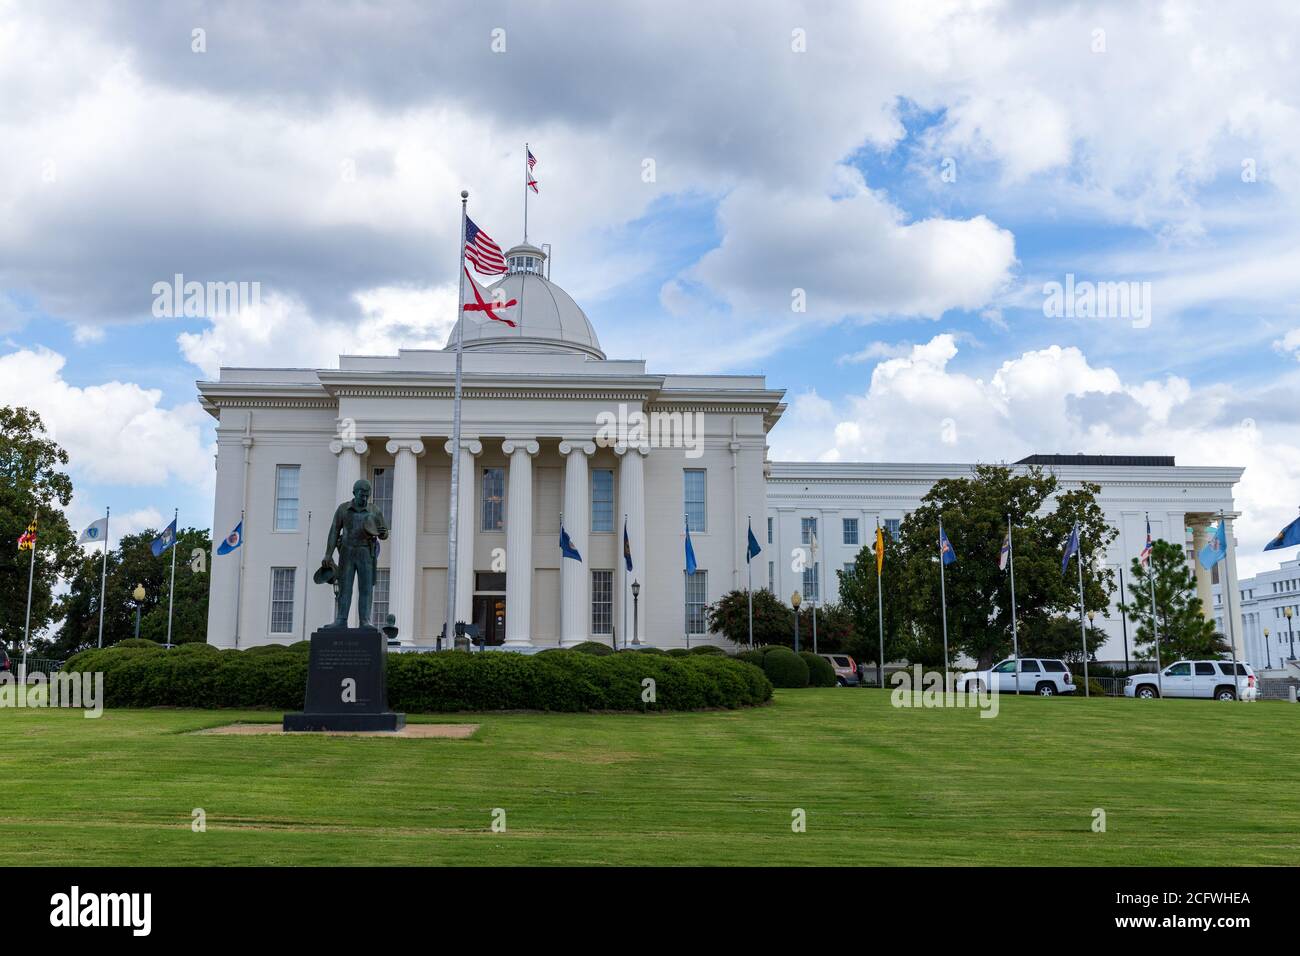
305	579
880	604
817	581
103	577
171	597
526	177
686	630
1083	628
626	582
454	502
1015	640
31	574
1155	625
749	582
943	598
239	580
1227	606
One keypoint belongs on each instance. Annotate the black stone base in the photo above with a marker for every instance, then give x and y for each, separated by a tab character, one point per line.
344	722
347	687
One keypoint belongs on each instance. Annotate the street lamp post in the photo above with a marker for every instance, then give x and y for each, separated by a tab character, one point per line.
636	606
1268	654
1290	634
138	594
795	599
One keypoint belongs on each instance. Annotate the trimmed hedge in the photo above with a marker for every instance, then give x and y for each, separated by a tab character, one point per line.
785	668
820	672
275	676
592	647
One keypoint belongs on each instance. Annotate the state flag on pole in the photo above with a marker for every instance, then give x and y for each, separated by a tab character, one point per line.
1286	538
752	550
946	552
627	547
880	550
27	540
232	540
1004	558
489	303
164	540
690	551
1145	557
566	546
95	532
1216	550
1071	546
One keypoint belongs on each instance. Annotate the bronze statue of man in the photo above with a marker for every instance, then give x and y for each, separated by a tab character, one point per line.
355	532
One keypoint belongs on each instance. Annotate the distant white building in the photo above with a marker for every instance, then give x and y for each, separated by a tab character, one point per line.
551	428
1261	604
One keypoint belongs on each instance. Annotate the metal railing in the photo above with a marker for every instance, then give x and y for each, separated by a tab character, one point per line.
35	665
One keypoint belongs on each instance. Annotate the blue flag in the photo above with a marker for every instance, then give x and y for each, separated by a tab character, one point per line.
690	551
752	550
627	547
1216	550
1288	537
566	546
1071	547
946	552
164	540
233	540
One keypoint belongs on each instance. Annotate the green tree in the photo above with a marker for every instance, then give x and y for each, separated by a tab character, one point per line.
32	483
132	563
1184	630
1061	638
858	591
975	512
773	620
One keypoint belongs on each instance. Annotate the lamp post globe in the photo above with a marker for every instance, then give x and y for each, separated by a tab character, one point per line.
1268	653
636	607
1290	633
138	595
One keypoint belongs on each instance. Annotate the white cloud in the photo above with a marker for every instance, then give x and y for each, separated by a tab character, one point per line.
114	432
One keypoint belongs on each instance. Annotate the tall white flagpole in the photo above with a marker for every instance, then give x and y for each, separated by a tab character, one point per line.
1155	622
626	580
453	542
749	585
817	581
1015	640
239	581
526	178
171	597
1227	606
103	577
943	599
1083	627
880	603
31	575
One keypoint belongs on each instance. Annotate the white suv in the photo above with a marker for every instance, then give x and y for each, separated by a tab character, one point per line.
1203	679
1042	676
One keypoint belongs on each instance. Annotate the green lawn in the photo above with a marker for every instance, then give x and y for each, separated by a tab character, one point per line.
1182	782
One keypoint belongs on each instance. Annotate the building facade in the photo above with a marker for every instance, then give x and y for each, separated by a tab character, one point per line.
554	432
1267	609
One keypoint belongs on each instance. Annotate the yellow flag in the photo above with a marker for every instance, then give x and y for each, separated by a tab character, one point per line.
880	550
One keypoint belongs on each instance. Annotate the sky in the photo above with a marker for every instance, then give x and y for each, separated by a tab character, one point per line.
869	204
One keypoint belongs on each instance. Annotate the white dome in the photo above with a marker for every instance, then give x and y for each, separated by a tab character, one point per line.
546	317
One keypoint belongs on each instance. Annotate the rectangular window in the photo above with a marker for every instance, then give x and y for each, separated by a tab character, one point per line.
848	567
379	606
494	499
697	600
771	576
602	501
811	575
381	492
695	489
769	530
282	591
892	527
286	497
850	530
602	602
807	528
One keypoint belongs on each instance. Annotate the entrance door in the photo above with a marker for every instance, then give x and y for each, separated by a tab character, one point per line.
490	617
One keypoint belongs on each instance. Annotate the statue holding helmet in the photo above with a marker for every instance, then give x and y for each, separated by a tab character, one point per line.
355	534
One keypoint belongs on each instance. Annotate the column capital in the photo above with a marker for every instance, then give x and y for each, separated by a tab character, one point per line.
357	445
570	445
512	445
622	449
471	445
413	445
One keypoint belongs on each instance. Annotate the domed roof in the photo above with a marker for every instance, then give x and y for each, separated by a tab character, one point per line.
546	317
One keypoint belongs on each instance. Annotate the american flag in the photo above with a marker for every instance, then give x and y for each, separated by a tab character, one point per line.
1145	556
482	251
532	160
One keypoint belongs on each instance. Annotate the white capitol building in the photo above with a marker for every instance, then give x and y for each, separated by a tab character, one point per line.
537	443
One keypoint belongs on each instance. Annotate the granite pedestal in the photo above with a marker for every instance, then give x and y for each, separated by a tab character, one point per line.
347	684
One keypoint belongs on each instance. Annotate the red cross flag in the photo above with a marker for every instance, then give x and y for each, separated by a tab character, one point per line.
487	303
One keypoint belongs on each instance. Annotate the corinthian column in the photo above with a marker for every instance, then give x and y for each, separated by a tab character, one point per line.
519	541
403	533
465	511
575	606
349	470
631	499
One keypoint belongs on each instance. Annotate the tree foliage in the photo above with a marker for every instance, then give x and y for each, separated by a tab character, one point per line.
1180	615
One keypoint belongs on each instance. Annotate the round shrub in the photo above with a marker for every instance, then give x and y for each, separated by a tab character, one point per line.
785	668
820	672
751	657
707	649
592	647
648	650
138	642
276	677
678	652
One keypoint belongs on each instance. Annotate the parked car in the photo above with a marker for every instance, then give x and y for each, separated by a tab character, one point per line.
1045	677
846	669
1203	679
